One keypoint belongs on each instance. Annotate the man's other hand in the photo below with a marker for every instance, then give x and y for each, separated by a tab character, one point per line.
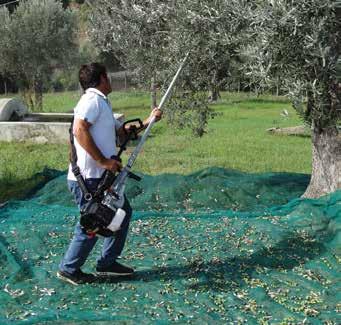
111	164
157	113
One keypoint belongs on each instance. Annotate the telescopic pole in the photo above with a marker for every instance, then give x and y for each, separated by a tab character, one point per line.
152	121
118	186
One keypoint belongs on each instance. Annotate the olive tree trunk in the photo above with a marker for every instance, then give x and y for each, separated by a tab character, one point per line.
214	94
153	90
38	95
27	96
326	162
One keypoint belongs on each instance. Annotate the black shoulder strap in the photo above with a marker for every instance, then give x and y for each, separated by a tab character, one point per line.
75	169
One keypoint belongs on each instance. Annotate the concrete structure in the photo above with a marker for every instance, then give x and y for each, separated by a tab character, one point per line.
37	132
12	109
40	128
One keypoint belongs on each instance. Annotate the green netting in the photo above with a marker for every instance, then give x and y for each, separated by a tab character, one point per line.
216	246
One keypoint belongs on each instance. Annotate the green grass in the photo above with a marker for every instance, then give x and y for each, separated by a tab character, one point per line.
66	101
235	139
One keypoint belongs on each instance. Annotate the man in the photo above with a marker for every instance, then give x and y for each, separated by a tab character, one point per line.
95	130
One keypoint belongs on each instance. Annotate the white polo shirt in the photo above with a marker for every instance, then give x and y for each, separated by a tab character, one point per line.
95	108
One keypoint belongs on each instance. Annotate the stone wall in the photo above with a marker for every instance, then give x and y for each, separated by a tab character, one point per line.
38	132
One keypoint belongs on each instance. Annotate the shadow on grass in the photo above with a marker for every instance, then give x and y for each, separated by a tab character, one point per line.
122	109
24	188
303	135
267	100
227	101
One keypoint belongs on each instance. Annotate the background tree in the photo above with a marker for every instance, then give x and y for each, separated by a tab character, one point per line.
9	4
136	33
35	39
213	34
6	85
151	37
302	40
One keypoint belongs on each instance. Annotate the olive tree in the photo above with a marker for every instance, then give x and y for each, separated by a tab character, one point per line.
35	39
151	37
213	33
302	41
135	32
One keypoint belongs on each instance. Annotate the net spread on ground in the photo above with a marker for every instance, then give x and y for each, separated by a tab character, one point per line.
214	246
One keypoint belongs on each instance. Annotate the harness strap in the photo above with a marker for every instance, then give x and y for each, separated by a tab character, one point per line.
74	167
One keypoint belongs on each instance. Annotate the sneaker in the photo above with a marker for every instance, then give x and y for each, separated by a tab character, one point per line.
76	278
114	269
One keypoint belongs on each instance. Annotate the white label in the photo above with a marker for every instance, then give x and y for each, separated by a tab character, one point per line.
117	220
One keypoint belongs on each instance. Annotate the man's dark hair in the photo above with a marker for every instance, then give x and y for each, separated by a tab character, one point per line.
90	75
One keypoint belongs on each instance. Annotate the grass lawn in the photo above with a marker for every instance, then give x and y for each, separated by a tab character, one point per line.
235	139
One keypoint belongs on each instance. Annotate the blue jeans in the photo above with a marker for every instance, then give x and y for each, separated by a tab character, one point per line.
81	244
